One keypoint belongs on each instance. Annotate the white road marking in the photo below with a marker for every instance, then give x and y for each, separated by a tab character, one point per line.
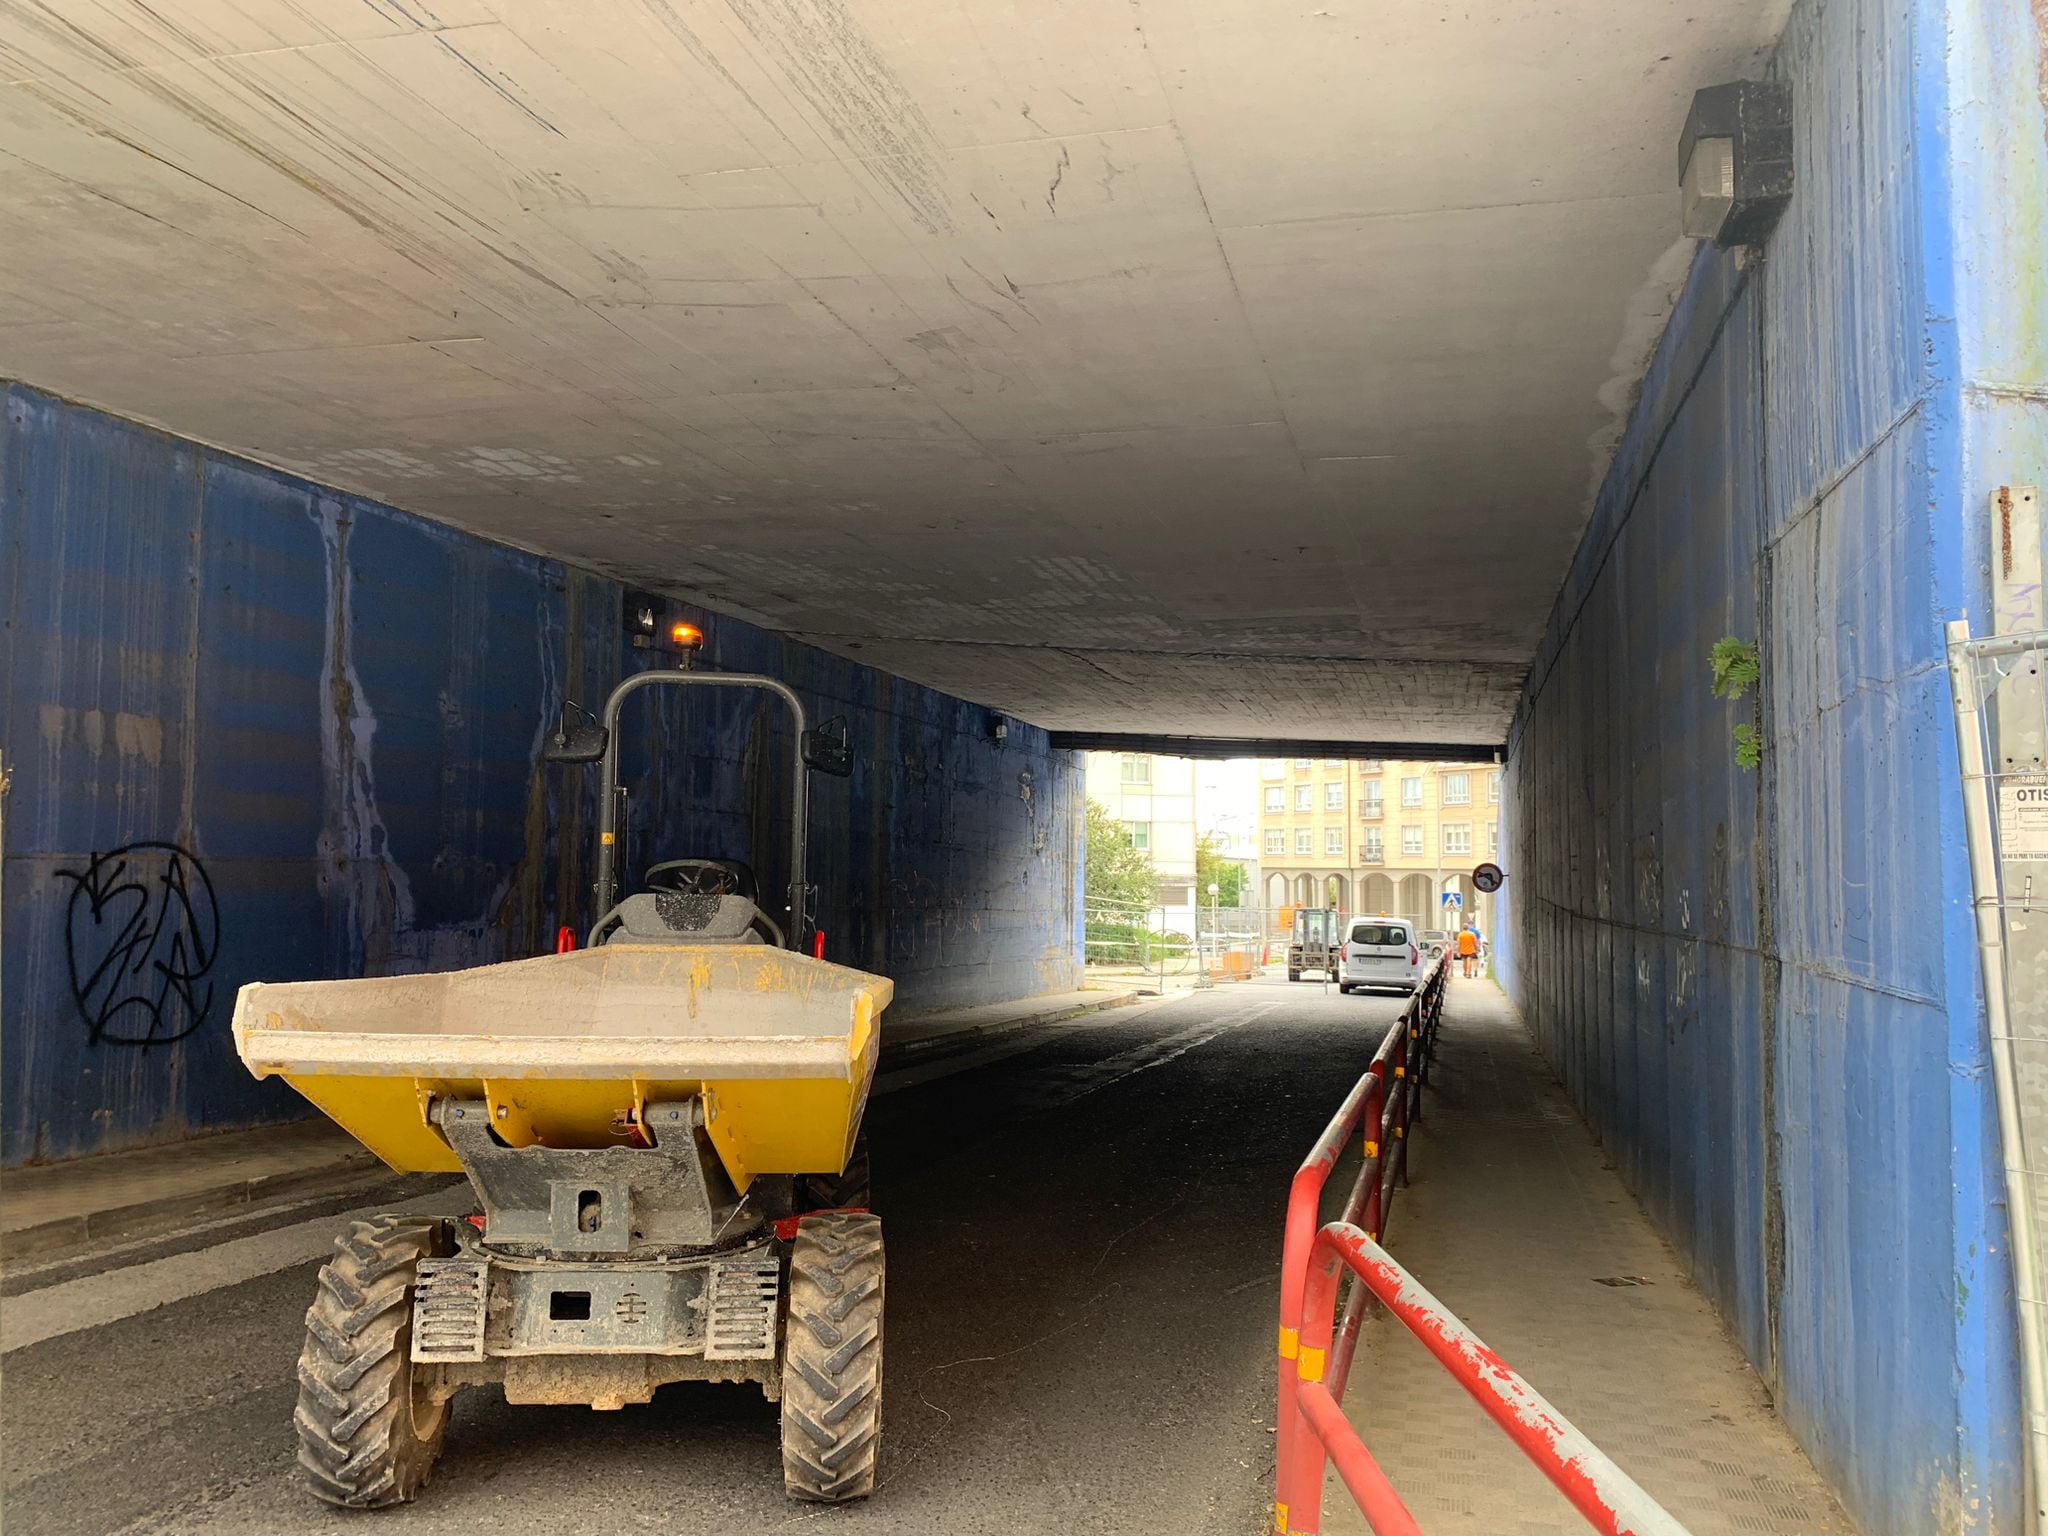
96	1300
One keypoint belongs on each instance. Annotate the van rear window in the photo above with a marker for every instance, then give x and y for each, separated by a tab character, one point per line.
1379	933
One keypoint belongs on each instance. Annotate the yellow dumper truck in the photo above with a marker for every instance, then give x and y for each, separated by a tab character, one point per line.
661	1132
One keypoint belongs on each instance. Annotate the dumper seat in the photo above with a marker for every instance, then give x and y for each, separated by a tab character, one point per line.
673	917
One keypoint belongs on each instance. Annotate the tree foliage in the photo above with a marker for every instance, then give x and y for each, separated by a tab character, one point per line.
1118	874
1213	868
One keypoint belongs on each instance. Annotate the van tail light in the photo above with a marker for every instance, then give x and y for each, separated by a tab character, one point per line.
1414	955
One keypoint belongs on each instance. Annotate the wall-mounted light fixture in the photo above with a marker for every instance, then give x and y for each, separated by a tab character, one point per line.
1735	162
998	729
649	628
642	619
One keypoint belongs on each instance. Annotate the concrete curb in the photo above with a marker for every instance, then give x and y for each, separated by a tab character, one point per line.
66	1235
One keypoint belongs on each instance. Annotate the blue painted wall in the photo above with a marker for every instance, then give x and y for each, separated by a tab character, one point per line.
1762	987
326	717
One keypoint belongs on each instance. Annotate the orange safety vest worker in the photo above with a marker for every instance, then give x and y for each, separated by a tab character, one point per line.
1468	944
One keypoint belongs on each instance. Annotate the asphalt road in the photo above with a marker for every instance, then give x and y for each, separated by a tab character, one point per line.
1083	1223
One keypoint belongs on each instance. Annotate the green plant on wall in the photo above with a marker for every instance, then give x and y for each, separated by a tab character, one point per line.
1738	667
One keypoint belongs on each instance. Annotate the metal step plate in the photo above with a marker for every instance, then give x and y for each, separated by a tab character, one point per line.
739	1309
448	1309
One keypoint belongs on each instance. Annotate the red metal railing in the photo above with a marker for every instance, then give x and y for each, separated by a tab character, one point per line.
1381	1101
1316	1349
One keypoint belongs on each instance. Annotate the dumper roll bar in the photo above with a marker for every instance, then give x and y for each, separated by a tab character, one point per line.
607	888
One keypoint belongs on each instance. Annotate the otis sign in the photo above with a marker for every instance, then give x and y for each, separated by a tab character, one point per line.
2023	817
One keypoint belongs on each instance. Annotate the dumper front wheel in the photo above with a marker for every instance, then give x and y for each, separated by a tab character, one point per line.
832	1358
368	1428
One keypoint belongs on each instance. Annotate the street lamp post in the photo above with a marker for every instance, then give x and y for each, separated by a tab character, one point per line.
1215	930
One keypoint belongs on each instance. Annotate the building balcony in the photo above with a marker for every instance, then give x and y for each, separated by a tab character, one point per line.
1373	810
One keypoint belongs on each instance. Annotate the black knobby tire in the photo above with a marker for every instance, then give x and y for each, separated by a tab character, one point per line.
1343	989
1293	975
832	1358
367	1438
853	1190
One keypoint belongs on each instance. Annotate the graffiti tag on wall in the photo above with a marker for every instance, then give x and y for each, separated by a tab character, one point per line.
141	932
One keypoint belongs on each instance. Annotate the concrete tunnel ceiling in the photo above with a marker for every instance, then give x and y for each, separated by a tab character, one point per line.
1258	360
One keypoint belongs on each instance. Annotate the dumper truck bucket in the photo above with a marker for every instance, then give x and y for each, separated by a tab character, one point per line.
566	1049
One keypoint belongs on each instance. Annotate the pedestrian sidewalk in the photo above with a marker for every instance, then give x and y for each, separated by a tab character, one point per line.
53	1211
1516	1222
47	1212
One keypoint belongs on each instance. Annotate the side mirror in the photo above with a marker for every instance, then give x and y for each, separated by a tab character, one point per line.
826	749
576	741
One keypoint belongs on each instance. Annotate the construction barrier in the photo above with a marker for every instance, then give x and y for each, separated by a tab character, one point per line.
1233	965
1316	1349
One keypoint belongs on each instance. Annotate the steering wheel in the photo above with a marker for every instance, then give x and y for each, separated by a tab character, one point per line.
703	877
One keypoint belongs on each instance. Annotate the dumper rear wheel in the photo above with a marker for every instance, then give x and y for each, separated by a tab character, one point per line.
852	1190
832	1358
368	1429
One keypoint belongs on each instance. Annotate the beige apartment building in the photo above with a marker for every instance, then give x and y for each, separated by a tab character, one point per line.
1154	798
1375	835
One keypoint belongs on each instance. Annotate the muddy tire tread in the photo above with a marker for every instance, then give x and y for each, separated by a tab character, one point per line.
832	1359
357	1443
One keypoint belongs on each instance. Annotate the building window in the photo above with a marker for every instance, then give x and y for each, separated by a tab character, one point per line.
1141	835
1272	768
1457	837
1333	796
1375	799
1276	841
1493	837
1333	762
1302	765
1371	765
1457	789
1411	790
1375	845
1276	799
1302	794
1304	841
1493	788
1333	842
1137	770
1411	842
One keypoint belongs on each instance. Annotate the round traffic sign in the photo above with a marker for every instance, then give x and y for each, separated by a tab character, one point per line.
1488	878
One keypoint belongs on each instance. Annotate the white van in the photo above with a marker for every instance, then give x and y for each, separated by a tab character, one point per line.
1380	952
